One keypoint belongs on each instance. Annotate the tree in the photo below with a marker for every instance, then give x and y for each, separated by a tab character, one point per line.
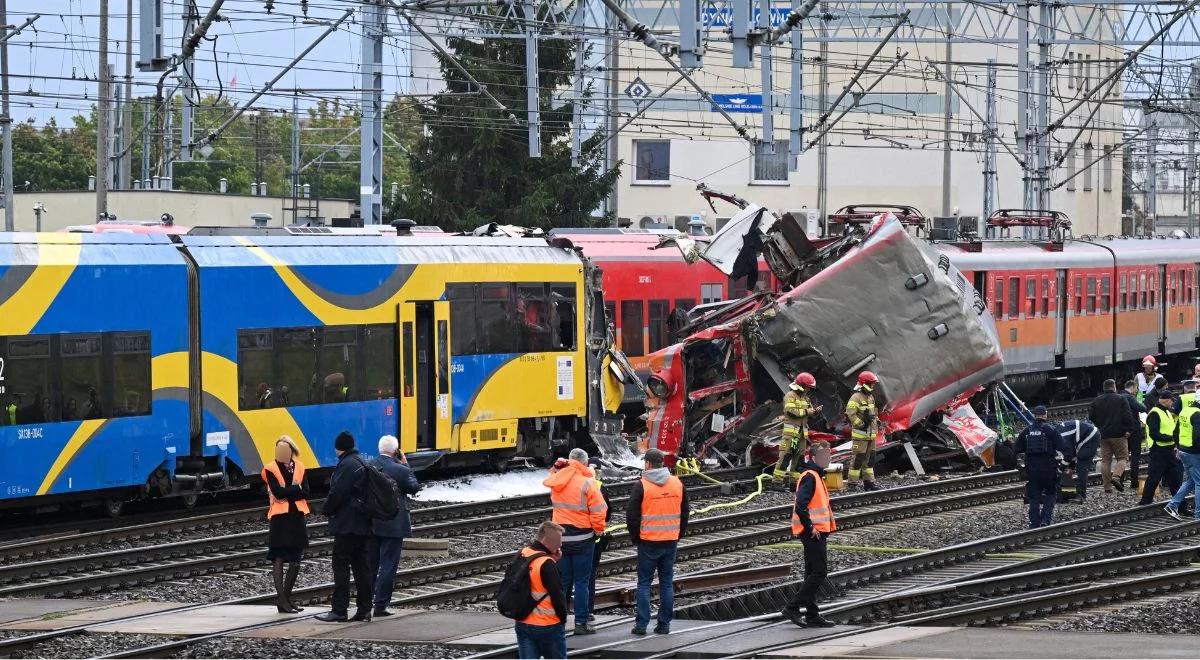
54	158
471	166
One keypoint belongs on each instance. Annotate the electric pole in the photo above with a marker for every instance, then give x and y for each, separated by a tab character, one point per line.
947	118
125	162
823	145
103	139
991	134
6	123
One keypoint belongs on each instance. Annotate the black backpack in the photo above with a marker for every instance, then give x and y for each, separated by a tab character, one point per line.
382	497
514	598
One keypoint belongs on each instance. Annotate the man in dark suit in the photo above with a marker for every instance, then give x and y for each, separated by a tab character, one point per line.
389	535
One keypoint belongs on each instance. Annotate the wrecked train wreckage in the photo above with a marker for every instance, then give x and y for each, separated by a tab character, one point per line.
872	299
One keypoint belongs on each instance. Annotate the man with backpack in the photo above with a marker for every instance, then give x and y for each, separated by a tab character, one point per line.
347	507
532	594
389	533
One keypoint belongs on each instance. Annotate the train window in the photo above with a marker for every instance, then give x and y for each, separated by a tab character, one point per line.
1170	295
686	304
1091	295
1045	296
338	367
379	343
406	348
26	369
1123	302
1144	289
1153	290
563	297
631	328
1078	296
256	369
52	378
1105	294
81	357
659	310
131	391
533	319
1014	297
1030	297
711	293
496	321
998	298
464	318
443	339
296	355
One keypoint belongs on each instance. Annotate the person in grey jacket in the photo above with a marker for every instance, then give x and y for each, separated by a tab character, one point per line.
389	535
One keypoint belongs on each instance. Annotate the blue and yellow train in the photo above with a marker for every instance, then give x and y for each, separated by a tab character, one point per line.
135	365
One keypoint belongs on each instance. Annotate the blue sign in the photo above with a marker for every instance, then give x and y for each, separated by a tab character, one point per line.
737	102
713	17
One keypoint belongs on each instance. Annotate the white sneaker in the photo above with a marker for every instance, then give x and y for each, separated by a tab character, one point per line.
1173	512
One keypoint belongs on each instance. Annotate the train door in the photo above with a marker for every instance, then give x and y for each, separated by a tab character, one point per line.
425	375
1060	317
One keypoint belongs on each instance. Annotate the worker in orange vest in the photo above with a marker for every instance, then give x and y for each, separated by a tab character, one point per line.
542	634
657	517
812	523
580	509
287	495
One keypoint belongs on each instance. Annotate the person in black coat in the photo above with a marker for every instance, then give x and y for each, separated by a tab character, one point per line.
1136	409
389	535
350	525
287	495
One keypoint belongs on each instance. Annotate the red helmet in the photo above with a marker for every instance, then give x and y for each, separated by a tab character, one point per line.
805	379
867	378
1149	360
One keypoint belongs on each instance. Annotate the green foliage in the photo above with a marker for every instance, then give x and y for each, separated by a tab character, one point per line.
471	166
54	158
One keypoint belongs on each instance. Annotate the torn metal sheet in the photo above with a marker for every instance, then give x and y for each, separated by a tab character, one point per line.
894	306
741	239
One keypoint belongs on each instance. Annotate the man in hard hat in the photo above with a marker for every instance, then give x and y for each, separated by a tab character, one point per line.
863	416
797	408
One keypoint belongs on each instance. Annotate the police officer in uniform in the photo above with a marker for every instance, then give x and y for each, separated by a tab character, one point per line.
1041	443
860	410
797	408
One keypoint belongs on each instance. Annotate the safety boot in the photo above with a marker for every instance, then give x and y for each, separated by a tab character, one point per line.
870	485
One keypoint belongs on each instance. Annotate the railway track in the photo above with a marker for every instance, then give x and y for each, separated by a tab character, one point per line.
31	548
127	567
477	578
1074	564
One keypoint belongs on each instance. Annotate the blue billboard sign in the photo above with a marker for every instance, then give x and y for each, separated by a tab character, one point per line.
738	102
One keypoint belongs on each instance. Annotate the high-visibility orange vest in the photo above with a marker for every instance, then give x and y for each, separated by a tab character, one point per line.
819	510
281	506
543	613
661	509
579	505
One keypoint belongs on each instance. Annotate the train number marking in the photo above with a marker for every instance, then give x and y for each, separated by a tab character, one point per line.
35	433
643	279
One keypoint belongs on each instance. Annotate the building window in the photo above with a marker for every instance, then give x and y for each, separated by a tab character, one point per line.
652	160
631	328
53	378
1070	70
1088	157
771	166
1108	168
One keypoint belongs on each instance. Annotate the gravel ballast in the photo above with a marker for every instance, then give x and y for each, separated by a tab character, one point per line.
1178	615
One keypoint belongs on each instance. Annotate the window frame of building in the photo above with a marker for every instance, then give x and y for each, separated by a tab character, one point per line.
777	165
1072	167
1090	167
650	180
1107	174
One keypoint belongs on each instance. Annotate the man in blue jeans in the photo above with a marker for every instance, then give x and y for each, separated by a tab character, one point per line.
1188	450
657	517
388	535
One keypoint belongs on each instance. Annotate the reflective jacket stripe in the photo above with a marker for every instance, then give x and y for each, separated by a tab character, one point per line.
819	510
543	613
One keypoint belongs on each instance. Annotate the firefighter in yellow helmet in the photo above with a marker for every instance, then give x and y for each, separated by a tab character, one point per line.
797	407
863	416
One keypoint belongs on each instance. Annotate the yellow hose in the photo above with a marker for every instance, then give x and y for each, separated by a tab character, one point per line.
712	507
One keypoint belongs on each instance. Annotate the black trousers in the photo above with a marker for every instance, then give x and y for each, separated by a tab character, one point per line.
1164	468
1135	457
350	556
816	567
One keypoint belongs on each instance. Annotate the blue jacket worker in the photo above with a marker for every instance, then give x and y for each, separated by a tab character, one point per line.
1082	439
350	525
1041	443
389	535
